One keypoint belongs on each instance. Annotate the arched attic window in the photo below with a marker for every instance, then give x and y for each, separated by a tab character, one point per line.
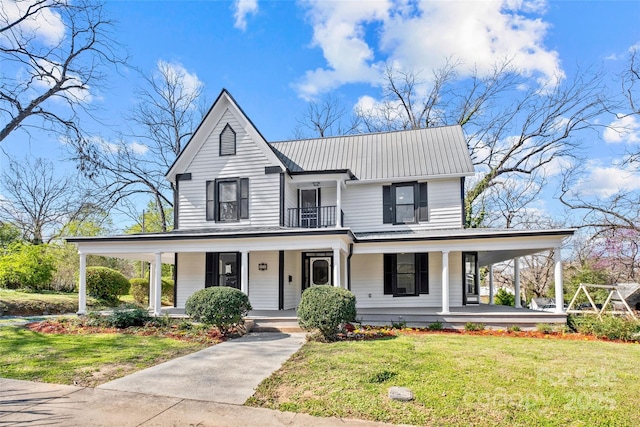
227	141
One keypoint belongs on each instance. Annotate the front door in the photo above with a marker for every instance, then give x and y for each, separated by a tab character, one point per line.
317	269
471	278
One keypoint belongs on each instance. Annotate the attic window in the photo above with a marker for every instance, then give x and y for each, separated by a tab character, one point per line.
227	141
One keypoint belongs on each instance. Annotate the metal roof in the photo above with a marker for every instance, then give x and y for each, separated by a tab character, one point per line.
398	154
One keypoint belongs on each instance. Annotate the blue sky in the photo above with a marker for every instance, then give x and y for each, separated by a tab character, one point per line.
272	55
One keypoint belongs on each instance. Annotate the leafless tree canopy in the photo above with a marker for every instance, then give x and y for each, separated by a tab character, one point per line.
38	201
167	114
325	117
54	53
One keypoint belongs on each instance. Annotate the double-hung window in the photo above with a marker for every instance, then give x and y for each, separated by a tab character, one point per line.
406	274
405	203
228	199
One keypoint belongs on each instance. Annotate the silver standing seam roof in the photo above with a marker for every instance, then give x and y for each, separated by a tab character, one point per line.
387	155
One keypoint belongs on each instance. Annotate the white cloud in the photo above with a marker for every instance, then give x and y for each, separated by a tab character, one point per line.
49	73
604	181
424	35
243	8
138	148
623	130
46	25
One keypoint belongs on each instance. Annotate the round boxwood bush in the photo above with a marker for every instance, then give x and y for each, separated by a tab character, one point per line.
106	283
140	289
325	308
222	307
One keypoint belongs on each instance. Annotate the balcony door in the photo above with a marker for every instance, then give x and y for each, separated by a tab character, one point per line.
309	203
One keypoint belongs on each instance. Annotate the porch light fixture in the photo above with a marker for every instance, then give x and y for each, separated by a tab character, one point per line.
316	184
262	266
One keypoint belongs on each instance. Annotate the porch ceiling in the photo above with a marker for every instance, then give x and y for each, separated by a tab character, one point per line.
493	257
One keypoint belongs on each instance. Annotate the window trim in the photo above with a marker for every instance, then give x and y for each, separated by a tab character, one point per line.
227	126
212	269
421	275
242	202
420	203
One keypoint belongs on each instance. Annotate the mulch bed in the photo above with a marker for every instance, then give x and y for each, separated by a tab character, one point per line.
200	335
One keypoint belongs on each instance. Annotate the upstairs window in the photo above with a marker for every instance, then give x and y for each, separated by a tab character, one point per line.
227	141
405	203
228	199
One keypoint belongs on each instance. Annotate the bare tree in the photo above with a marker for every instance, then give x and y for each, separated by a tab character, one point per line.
53	54
325	117
166	116
507	203
38	201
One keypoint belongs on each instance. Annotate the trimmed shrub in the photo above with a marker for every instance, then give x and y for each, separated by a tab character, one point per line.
435	326
219	306
140	289
325	308
127	317
544	328
505	298
106	284
472	327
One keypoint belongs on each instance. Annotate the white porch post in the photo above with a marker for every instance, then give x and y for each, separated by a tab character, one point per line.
338	204
157	278
336	268
445	282
82	285
516	281
557	258
491	289
244	272
152	285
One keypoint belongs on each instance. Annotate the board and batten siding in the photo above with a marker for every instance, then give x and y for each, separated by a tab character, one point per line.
362	206
248	162
190	275
263	285
293	289
367	283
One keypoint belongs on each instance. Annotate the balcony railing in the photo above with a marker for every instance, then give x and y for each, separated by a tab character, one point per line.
311	217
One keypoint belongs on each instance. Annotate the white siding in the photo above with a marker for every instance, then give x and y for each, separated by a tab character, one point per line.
362	206
190	276
263	285
293	289
249	162
367	283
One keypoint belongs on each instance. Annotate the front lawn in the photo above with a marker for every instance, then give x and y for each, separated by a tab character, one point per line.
85	360
462	380
20	303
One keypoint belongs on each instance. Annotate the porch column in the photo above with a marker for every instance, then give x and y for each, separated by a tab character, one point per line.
157	278
244	272
82	285
336	268
491	289
557	259
445	282
152	284
338	204
516	280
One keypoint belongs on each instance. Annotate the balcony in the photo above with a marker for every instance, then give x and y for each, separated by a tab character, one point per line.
311	217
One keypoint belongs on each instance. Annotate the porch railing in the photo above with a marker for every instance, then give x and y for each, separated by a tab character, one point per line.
311	217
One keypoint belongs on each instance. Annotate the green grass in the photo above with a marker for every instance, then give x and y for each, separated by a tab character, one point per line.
85	360
462	380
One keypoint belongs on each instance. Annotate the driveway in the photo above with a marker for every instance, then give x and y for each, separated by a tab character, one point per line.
227	373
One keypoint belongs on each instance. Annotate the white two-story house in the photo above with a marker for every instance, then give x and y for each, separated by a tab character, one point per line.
380	214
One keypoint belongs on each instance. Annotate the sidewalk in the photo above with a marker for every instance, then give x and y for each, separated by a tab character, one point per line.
24	403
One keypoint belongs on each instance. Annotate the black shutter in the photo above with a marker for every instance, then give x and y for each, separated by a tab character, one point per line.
216	190
387	205
389	273
238	270
244	198
208	272
422	273
423	208
210	191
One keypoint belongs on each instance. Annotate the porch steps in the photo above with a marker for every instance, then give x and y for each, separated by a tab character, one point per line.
274	324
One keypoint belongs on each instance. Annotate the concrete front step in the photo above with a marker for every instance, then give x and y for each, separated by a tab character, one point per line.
275	324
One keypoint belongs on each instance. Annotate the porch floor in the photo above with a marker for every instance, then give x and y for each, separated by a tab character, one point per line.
493	316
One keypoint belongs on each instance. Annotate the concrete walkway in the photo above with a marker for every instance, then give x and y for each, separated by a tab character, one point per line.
24	403
227	373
